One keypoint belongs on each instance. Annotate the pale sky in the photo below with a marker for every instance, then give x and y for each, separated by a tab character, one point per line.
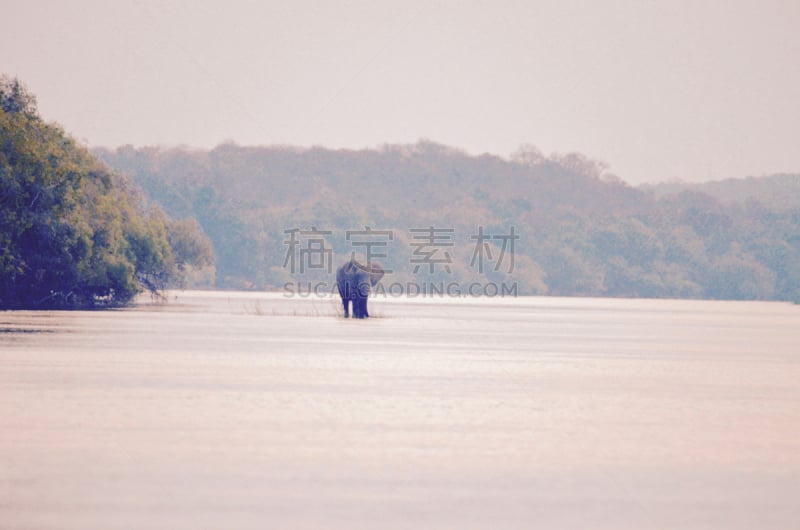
697	90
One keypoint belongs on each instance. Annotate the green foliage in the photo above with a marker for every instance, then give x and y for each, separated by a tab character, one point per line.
72	234
15	98
584	232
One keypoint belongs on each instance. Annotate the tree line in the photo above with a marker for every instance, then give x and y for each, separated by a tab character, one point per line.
73	233
581	230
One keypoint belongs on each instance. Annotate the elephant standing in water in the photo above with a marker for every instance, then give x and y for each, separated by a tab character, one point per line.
354	282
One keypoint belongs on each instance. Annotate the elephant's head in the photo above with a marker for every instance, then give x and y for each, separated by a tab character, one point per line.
374	271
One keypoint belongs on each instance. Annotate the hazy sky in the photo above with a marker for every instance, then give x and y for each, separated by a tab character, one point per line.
697	90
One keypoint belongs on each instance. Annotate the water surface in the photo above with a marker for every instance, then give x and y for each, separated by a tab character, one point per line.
249	410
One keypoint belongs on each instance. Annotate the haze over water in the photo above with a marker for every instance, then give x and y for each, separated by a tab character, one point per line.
250	410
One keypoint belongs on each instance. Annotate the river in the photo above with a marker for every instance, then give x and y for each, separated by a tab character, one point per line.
253	410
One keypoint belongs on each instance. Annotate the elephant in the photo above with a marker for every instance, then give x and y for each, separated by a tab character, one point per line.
354	282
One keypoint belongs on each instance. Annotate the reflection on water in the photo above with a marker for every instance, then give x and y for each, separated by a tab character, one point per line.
248	410
24	330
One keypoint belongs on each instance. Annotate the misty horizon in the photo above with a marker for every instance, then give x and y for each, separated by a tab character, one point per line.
657	92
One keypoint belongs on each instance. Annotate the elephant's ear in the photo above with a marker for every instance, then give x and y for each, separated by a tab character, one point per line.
376	273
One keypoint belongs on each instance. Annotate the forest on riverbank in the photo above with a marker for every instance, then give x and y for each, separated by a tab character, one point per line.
550	225
74	234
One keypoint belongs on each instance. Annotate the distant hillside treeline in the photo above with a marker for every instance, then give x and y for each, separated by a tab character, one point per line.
72	233
581	232
778	192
